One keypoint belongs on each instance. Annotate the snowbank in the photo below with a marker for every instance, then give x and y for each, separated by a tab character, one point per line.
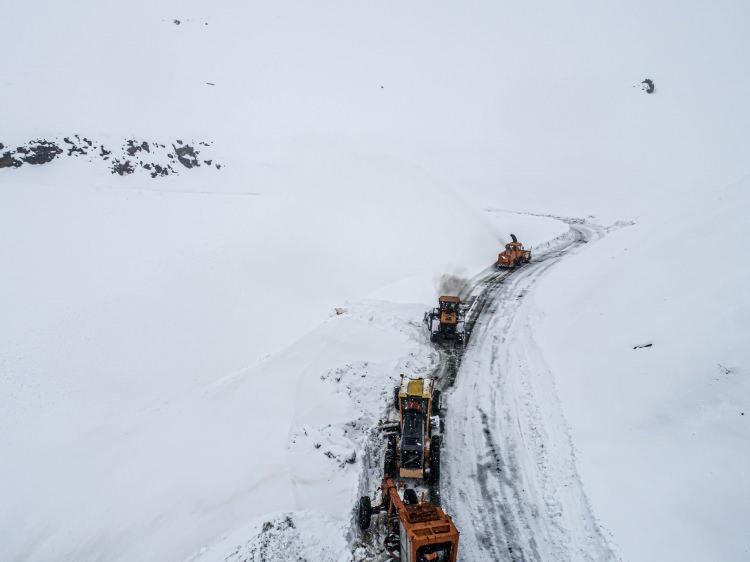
646	334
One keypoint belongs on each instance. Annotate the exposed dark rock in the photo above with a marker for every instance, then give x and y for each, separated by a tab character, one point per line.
161	171
187	155
42	152
124	162
176	22
122	168
7	161
649	86
74	148
134	148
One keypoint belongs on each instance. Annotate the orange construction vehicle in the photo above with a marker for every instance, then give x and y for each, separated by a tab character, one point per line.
418	531
446	321
513	255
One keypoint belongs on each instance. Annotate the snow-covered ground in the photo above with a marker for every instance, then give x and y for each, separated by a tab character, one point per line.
661	432
174	380
507	445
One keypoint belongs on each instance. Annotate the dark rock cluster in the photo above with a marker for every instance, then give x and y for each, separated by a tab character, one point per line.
34	152
153	157
7	161
648	86
186	155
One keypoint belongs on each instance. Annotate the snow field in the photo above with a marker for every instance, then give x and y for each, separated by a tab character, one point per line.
660	433
141	320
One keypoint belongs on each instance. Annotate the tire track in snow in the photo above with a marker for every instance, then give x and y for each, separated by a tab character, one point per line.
501	483
490	503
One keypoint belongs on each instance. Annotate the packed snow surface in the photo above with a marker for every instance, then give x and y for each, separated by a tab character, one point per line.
191	366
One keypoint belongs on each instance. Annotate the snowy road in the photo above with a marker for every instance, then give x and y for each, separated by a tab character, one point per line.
509	477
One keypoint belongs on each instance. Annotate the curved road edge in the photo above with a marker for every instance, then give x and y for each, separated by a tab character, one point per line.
509	478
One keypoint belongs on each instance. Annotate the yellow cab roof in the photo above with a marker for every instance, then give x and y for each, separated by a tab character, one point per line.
417	387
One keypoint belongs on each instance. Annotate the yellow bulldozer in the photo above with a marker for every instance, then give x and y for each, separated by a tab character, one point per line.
413	443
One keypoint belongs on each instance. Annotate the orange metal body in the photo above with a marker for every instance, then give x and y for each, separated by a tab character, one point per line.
424	528
449	310
513	255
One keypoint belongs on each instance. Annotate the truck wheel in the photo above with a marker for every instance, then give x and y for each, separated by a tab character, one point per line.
435	403
395	397
410	497
392	543
364	513
435	443
389	459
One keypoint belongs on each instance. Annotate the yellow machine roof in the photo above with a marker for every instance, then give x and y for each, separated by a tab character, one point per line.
415	388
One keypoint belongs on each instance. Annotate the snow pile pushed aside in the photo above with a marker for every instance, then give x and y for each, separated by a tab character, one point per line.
287	536
162	479
646	333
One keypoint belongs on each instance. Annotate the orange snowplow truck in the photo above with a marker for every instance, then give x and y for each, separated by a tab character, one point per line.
513	255
417	531
446	321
